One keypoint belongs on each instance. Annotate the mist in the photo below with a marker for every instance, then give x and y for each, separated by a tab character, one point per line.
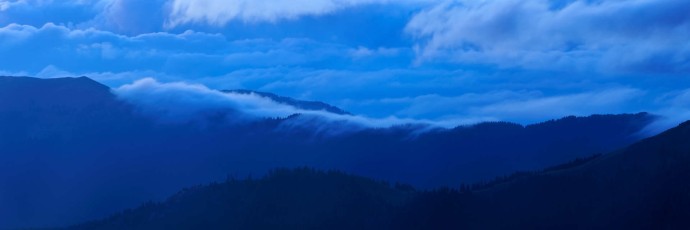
180	102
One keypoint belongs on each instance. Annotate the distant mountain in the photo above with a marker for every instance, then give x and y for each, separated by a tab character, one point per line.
71	144
468	154
34	111
23	92
643	186
305	105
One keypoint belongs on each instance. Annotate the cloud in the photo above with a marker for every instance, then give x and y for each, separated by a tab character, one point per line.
131	17
439	106
39	12
639	36
220	12
526	106
363	52
4	5
674	108
189	53
609	101
179	102
369	81
182	102
13	4
466	52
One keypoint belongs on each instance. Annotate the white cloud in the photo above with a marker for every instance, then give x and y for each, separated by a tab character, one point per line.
130	17
220	12
7	4
635	35
509	33
609	101
362	52
189	54
183	102
527	106
674	109
4	5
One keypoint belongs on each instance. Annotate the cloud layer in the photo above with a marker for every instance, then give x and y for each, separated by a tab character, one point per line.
192	54
635	36
220	12
420	60
180	102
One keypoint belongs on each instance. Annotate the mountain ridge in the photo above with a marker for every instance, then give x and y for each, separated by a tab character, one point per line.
69	148
543	200
300	104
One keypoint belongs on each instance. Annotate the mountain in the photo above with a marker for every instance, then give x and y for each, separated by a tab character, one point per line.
305	105
72	144
284	199
643	186
20	92
37	115
480	152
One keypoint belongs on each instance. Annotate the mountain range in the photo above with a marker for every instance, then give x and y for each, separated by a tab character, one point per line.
642	186
74	144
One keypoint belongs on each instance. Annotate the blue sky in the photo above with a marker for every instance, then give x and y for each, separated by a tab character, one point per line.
522	61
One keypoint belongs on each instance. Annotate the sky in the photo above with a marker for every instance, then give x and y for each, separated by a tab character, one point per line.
520	61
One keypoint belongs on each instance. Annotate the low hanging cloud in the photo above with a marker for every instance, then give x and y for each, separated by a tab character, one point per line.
182	102
611	101
675	109
179	102
638	36
525	107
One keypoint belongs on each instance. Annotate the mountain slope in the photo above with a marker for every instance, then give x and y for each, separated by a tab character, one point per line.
19	92
63	139
305	105
643	186
36	111
284	199
469	154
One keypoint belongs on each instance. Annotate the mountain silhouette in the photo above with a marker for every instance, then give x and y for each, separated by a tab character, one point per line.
72	144
639	187
285	199
643	186
63	92
305	105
